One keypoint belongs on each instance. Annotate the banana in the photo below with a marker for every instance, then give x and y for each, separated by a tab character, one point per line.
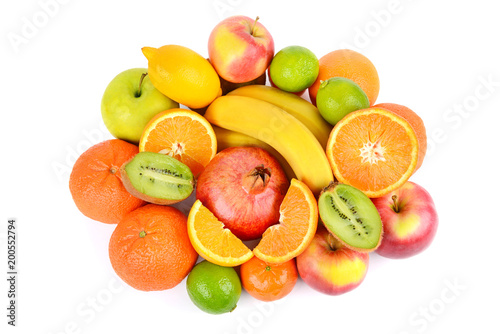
227	138
276	127
296	106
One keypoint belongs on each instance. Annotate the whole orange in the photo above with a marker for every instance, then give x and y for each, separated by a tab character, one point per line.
268	282
351	65
150	248
95	182
416	123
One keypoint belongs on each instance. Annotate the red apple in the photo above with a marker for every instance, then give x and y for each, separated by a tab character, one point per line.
410	221
243	187
240	49
329	267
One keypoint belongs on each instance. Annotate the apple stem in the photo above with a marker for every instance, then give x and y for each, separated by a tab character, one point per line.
139	90
332	243
253	27
395	202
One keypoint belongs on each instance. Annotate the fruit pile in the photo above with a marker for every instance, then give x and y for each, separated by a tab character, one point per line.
315	186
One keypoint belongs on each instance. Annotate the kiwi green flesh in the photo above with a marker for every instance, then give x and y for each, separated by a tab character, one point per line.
160	176
351	217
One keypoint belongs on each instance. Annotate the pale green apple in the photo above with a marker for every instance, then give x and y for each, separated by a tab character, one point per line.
129	102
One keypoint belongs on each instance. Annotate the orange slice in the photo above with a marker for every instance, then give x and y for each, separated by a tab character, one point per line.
416	123
214	242
182	134
373	150
298	223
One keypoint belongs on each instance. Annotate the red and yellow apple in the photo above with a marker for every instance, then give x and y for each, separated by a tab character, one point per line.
410	221
240	49
329	267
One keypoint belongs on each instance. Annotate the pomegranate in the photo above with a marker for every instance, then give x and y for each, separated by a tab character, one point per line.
243	187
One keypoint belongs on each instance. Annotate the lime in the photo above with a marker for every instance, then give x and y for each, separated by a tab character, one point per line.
339	96
294	69
213	288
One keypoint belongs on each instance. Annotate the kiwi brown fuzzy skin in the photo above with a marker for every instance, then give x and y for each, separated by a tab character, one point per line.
134	192
329	188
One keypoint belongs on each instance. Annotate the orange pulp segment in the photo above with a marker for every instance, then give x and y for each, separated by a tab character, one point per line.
298	223
182	134
214	242
373	150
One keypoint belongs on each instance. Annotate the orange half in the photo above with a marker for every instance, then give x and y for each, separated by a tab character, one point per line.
373	150
182	134
214	242
297	226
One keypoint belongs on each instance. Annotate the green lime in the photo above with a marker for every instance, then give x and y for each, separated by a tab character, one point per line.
294	69
339	96
213	288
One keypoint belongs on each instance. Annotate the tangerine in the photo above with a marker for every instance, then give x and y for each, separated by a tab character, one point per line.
351	65
268	282
95	182
150	249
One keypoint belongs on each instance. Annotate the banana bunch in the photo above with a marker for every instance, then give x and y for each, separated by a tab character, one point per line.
296	106
227	138
271	124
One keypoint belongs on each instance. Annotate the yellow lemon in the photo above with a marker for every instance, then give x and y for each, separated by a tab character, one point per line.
182	75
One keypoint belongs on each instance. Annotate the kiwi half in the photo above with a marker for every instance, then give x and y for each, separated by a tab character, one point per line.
157	178
350	216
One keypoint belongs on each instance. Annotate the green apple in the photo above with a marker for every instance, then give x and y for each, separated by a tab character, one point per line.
129	102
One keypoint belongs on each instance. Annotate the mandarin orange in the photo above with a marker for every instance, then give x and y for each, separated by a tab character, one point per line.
150	249
268	282
95	182
351	65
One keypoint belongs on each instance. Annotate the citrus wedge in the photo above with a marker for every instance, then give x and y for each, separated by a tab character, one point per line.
373	150
182	134
298	223
416	123
214	242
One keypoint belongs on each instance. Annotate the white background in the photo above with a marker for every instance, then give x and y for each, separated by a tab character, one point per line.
434	57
